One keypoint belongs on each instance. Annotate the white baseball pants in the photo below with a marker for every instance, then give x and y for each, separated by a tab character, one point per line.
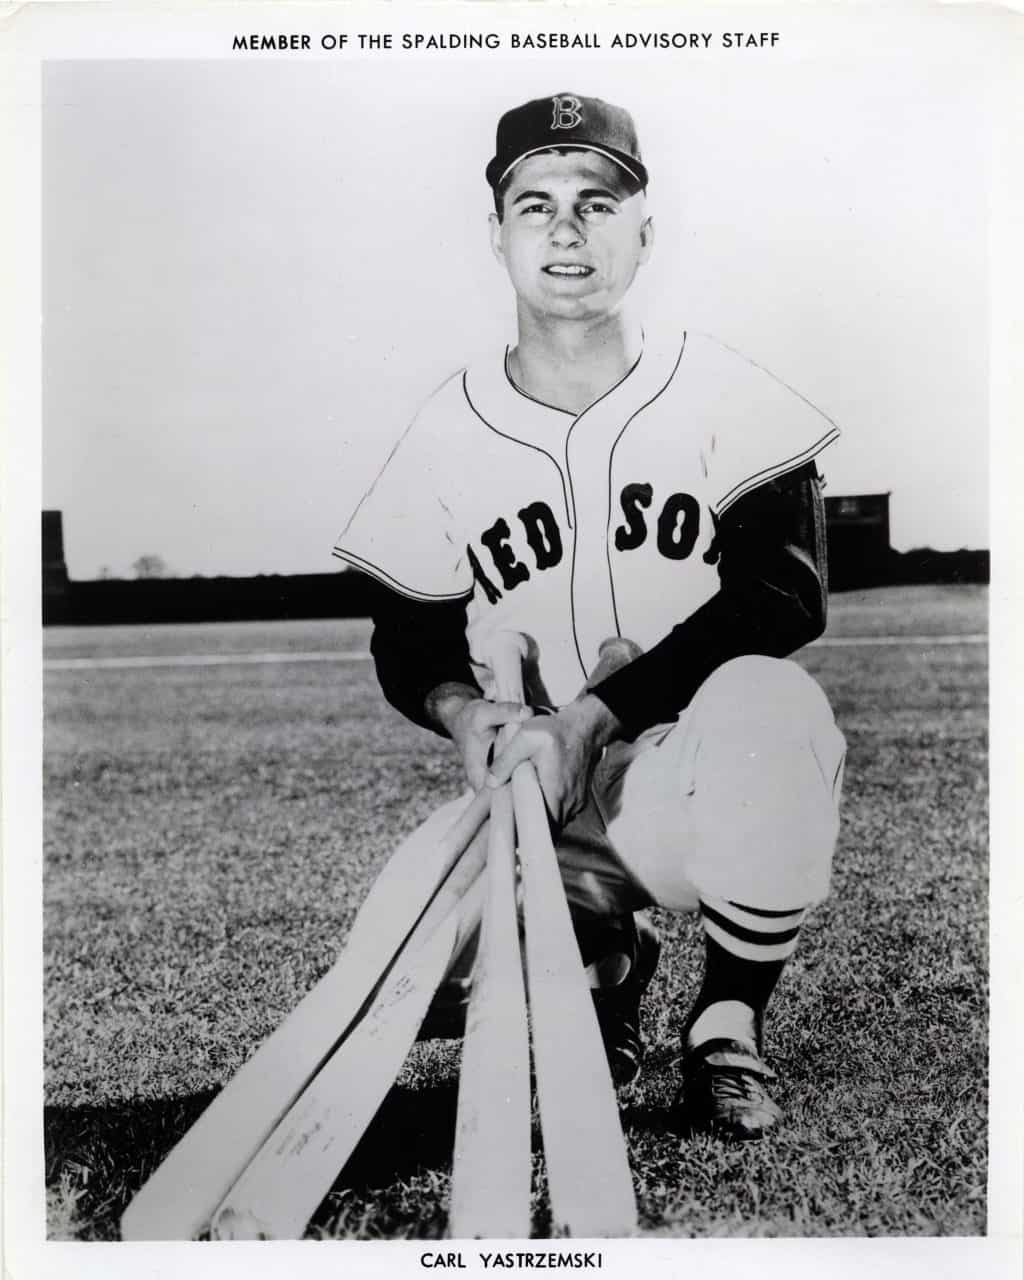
738	799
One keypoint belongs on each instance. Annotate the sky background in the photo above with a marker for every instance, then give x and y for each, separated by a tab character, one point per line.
254	271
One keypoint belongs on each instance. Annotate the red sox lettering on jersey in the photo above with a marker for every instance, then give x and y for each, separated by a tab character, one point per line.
573	528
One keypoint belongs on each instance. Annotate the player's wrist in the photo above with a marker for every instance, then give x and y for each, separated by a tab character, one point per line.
599	724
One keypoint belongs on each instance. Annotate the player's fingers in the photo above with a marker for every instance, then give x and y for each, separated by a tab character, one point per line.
492	715
480	744
475	763
522	747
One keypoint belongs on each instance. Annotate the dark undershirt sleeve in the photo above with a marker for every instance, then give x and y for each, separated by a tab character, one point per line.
773	600
771	564
417	647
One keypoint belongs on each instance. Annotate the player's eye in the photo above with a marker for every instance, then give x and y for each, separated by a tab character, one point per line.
597	209
536	210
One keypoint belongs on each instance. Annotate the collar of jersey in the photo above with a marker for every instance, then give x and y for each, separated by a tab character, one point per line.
512	412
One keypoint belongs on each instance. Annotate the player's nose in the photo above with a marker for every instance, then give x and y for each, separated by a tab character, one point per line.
567	230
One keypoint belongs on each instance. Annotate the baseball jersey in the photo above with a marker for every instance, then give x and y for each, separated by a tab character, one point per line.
572	528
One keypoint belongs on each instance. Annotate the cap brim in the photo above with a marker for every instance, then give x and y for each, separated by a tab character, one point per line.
634	168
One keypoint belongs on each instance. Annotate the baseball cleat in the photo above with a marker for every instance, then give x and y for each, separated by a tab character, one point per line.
618	1006
724	1091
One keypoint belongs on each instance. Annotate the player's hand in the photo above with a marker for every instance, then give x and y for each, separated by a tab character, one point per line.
474	730
564	749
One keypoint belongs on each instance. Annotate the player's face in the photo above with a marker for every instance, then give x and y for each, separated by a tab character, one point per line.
572	235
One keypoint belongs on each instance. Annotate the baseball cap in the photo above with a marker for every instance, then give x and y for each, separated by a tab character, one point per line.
566	120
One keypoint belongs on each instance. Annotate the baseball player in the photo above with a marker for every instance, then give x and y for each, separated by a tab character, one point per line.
649	497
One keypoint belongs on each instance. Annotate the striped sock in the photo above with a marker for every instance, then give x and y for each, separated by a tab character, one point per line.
749	932
746	951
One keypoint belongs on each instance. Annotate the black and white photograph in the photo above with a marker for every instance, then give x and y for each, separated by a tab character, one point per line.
510	621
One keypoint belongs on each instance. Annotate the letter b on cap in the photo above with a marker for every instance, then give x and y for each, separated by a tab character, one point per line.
567	113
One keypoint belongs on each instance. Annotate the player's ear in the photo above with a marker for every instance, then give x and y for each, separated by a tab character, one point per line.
646	238
495	228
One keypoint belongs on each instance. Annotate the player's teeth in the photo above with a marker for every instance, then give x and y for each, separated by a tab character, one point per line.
568	270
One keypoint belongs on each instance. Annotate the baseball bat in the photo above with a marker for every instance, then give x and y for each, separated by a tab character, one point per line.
491	1163
612	654
280	1189
425	876
589	1179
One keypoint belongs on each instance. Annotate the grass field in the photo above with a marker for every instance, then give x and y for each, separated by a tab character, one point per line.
211	830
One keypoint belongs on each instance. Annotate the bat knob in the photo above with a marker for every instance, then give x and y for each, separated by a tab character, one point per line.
232	1224
506	651
613	654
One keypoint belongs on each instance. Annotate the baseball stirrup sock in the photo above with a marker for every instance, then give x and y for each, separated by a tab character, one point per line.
746	951
750	933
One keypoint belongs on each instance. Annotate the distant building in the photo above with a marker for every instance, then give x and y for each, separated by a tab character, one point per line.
857	526
55	569
857	530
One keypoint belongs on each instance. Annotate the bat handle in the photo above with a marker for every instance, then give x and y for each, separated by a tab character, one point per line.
613	654
506	652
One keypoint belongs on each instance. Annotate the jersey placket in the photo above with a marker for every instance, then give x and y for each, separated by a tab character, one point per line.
589	452
588	447
581	450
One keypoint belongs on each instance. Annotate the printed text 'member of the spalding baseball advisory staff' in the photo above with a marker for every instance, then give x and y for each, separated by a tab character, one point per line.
366	41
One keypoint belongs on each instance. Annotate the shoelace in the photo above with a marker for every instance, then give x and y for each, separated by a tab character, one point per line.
731	1083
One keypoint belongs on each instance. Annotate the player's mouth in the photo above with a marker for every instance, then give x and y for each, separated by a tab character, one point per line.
568	270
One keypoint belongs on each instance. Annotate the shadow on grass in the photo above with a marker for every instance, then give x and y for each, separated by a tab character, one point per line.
414	1129
401	1168
98	1157
654	1120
